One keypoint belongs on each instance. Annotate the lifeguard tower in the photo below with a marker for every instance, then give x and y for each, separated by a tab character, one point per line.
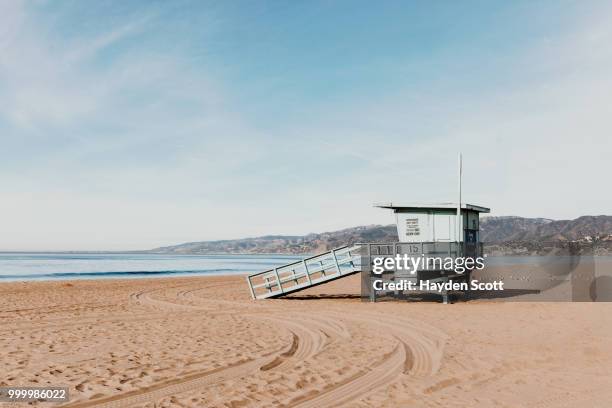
422	230
433	230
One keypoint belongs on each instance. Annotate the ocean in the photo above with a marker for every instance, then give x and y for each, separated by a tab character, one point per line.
51	266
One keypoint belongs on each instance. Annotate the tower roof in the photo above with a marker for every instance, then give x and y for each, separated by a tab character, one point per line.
431	206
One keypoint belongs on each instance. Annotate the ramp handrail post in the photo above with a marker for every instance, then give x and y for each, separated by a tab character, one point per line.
268	285
295	279
267	282
278	281
333	251
251	287
306	271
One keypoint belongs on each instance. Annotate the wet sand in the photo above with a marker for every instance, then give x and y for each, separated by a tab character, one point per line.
202	342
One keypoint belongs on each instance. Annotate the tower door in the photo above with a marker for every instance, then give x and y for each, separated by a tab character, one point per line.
443	227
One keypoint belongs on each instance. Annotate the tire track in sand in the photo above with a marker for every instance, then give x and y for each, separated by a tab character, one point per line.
207	378
308	339
176	386
144	298
385	372
424	343
418	353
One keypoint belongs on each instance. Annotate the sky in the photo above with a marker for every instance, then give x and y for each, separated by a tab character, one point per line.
132	125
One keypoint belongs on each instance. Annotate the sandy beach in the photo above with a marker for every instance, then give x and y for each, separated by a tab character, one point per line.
202	342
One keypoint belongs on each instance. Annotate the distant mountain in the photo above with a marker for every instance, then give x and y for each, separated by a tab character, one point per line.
501	229
501	235
540	236
311	243
504	229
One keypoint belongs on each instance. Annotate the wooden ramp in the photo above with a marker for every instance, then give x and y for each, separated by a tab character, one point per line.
309	272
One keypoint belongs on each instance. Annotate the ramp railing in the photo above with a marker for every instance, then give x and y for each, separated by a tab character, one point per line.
308	272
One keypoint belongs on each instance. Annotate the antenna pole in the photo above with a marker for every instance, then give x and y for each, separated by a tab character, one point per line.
459	202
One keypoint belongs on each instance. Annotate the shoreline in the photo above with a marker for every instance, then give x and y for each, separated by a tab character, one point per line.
521	263
122	278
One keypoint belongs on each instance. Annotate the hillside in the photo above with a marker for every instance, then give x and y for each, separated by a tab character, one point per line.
310	243
501	229
502	236
504	229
